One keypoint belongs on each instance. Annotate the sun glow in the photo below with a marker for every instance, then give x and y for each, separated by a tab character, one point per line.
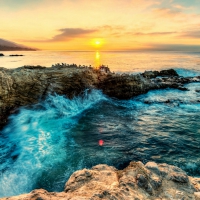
97	43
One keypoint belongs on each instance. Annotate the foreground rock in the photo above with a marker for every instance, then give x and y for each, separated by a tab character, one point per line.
136	182
29	84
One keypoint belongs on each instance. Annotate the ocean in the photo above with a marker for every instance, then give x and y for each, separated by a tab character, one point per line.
119	62
44	144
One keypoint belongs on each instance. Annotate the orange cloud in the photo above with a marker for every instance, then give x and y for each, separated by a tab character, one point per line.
70	33
66	35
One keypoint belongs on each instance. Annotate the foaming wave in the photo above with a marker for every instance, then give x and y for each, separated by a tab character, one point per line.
35	142
173	97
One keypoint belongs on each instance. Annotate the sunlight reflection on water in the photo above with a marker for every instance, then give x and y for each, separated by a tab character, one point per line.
42	146
117	61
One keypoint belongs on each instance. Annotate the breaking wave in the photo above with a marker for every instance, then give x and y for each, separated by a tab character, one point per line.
44	144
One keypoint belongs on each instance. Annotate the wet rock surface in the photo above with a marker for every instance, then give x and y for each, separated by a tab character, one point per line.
138	181
154	74
126	86
29	84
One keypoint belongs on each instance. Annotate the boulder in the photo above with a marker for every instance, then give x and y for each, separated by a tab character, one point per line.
168	72
197	90
150	74
137	181
154	74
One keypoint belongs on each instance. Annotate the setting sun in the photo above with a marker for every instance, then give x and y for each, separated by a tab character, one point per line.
97	42
110	88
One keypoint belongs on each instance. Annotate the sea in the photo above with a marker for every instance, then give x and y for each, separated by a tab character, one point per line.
43	144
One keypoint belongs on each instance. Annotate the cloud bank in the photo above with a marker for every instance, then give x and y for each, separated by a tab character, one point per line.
71	33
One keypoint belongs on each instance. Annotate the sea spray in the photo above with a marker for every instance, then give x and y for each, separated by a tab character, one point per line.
43	144
37	139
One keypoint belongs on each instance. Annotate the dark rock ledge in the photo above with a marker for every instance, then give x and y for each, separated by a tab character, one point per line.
136	182
29	84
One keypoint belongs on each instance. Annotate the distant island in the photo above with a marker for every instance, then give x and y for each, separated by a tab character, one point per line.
15	55
6	45
8	48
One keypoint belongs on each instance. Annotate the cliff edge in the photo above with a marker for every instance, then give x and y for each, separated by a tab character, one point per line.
29	84
136	182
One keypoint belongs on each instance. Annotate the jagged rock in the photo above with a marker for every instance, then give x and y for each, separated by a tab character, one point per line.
143	183
137	181
29	84
126	86
196	184
197	195
197	90
182	88
152	166
150	74
168	72
154	74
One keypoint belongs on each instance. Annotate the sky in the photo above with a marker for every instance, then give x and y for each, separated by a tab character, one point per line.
102	24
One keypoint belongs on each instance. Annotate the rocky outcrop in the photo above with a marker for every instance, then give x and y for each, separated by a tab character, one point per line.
154	74
126	86
16	55
29	84
136	182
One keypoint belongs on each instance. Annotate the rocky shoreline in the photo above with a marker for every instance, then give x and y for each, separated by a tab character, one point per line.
29	84
136	182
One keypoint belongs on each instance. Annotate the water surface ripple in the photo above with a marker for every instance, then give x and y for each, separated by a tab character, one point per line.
44	144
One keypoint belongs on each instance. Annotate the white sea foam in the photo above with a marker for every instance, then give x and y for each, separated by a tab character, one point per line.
40	137
44	144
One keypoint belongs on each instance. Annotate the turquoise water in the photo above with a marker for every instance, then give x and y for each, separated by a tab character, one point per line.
43	144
